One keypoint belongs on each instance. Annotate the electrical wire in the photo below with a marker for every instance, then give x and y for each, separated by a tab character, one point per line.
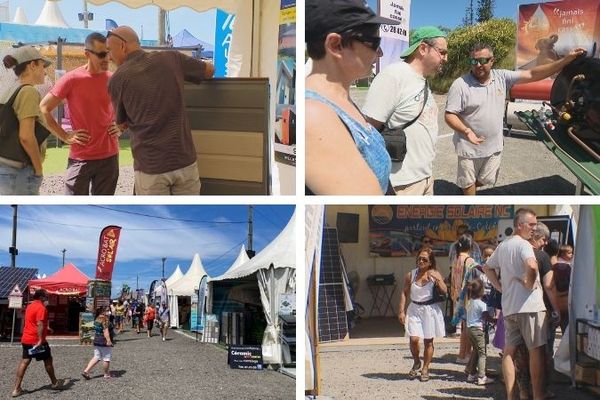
167	218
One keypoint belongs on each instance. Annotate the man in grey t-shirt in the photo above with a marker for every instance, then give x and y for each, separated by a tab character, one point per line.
475	110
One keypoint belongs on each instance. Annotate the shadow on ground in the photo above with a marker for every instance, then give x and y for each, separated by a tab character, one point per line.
549	185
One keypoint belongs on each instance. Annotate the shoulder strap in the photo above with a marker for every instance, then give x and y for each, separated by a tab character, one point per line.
12	98
426	95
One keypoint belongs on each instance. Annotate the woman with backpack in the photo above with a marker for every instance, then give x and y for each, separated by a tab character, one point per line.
423	318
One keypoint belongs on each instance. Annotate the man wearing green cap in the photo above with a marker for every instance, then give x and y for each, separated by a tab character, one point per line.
397	96
475	110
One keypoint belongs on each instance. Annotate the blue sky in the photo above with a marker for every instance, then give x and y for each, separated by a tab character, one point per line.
450	13
200	25
43	231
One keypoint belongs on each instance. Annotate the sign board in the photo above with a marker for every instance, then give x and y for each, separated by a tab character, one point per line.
245	357
86	328
287	304
15	298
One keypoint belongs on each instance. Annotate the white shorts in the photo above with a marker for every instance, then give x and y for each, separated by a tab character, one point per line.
102	353
483	170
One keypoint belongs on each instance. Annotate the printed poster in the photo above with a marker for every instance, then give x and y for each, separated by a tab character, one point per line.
400	231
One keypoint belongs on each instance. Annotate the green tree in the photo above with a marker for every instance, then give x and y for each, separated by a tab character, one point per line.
485	10
468	18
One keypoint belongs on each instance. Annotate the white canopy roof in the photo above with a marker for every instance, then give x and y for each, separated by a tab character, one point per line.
198	5
186	284
175	276
20	17
280	253
241	259
51	15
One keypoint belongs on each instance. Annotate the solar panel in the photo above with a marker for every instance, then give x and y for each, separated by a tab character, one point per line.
10	276
333	324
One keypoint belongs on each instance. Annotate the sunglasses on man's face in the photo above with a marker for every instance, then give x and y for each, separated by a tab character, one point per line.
373	42
99	54
480	60
111	33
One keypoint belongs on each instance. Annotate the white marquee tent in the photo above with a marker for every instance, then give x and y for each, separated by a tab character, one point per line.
175	276
275	269
185	286
241	259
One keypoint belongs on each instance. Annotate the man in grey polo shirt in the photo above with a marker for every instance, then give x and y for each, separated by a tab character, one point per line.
475	110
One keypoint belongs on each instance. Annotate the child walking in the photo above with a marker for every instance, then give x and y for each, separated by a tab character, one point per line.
476	316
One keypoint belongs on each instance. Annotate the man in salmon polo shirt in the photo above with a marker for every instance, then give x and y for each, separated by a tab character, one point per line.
93	165
34	342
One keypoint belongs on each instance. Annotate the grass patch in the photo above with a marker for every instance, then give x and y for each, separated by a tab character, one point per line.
56	157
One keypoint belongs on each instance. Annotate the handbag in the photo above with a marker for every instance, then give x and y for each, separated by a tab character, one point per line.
494	299
438	295
10	144
395	139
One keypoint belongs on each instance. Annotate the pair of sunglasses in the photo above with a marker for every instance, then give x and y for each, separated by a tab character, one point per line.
480	60
373	42
99	54
422	259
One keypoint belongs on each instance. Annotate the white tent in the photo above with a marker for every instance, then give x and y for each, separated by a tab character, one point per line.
51	15
185	286
275	269
241	259
175	276
20	17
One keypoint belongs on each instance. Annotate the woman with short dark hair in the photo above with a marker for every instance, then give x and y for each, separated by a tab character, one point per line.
103	343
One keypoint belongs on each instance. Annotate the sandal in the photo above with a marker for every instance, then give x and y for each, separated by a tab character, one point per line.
108	376
59	385
86	376
17	393
424	376
412	374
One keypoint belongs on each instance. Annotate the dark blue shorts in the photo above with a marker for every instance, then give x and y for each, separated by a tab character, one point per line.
44	355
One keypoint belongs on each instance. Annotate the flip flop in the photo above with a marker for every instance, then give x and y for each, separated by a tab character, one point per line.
86	376
412	374
424	376
17	393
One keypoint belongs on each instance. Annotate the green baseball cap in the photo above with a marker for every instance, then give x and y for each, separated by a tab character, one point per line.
420	34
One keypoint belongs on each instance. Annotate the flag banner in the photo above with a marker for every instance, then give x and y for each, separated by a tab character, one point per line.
201	311
107	252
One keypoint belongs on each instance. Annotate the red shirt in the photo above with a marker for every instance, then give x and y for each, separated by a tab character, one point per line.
36	311
89	108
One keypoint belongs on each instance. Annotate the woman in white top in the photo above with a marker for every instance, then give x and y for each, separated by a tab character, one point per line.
423	318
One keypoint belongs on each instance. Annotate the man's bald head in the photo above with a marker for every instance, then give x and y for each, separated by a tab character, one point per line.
121	42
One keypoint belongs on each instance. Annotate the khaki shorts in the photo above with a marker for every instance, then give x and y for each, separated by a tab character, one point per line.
483	170
528	328
183	181
421	188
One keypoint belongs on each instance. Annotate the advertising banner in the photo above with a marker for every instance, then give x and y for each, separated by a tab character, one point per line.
394	38
86	327
245	357
285	100
399	231
107	252
201	314
548	31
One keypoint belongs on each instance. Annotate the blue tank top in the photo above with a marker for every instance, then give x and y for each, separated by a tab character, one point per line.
369	142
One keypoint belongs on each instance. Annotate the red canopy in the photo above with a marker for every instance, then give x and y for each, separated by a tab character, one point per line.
67	281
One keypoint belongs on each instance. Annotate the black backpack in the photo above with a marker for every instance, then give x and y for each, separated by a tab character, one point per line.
10	145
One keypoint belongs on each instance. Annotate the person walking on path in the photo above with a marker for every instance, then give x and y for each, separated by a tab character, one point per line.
163	320
93	166
147	95
102	344
138	315
422	319
522	301
149	318
34	342
475	111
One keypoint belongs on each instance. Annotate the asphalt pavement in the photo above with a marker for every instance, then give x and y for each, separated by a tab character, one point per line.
144	368
528	167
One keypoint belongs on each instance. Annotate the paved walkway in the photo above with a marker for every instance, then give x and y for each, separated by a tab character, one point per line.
144	368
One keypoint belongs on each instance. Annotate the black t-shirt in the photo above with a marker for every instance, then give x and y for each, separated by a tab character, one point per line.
544	266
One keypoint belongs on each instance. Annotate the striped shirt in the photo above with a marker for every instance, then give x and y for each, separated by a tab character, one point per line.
147	95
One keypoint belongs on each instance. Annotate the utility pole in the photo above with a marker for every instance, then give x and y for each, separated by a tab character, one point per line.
250	227
137	283
13	249
162	16
163	266
63	251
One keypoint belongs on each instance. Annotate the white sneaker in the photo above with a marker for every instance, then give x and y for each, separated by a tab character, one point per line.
484	380
471	378
163	339
462	360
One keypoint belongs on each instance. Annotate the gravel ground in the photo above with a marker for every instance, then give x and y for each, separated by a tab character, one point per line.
145	368
381	372
55	184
